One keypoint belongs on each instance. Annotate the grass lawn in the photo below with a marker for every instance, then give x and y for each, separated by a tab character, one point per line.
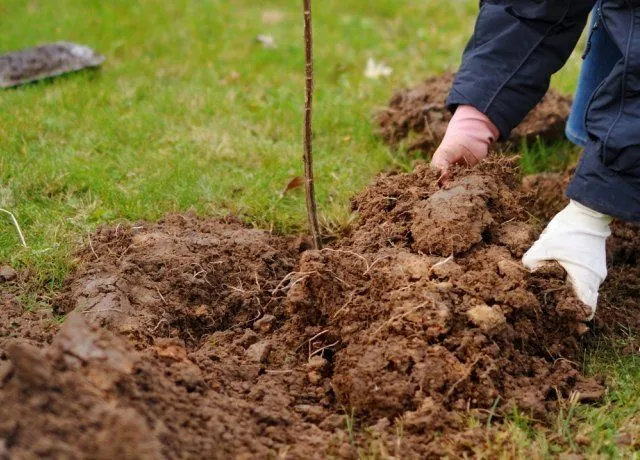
190	112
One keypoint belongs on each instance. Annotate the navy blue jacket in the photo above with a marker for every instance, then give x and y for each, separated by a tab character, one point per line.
506	68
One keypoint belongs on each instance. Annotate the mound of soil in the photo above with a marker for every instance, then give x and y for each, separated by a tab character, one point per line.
182	277
419	116
193	338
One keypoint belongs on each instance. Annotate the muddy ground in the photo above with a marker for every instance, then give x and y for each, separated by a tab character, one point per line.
418	117
200	338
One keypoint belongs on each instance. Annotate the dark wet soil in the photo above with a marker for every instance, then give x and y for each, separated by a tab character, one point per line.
200	338
418	117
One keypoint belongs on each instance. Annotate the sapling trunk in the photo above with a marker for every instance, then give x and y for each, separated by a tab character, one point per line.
308	151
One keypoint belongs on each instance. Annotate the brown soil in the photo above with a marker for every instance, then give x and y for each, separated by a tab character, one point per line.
36	326
619	309
545	193
419	116
193	338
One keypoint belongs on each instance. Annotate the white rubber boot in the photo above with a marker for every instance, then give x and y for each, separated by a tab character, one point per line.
575	238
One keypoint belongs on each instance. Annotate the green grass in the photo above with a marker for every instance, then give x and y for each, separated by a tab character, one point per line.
191	113
609	430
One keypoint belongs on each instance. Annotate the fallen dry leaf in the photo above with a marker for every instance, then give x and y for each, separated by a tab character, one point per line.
294	183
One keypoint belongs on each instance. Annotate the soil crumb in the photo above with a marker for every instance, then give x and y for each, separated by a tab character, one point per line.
200	338
419	117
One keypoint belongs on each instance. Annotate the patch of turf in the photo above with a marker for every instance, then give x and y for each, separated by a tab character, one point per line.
610	429
191	112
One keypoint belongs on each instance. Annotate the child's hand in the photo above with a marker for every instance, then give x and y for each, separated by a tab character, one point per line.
467	140
576	239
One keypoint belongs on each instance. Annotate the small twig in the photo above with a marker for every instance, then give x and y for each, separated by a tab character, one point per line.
302	278
91	246
320	350
461	379
379	259
442	262
397	317
315	337
252	320
492	413
281	283
287	278
346	304
347	285
162	320
236	289
16	225
124	252
164	301
555	361
102	310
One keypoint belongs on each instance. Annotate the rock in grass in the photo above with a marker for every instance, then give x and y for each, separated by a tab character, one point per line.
45	61
7	273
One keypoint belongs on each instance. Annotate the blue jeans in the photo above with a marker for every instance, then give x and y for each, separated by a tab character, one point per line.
602	54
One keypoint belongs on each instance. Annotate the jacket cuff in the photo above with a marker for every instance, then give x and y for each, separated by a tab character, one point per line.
456	98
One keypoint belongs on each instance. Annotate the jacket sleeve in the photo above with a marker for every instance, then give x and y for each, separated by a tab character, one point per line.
515	48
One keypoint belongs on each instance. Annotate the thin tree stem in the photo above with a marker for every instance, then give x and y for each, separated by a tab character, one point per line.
308	152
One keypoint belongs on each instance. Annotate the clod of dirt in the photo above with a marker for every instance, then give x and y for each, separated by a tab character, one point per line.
454	219
265	324
259	352
486	318
317	368
7	273
517	236
419	116
413	211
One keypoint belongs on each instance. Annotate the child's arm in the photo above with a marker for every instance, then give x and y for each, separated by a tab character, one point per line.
506	68
516	46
